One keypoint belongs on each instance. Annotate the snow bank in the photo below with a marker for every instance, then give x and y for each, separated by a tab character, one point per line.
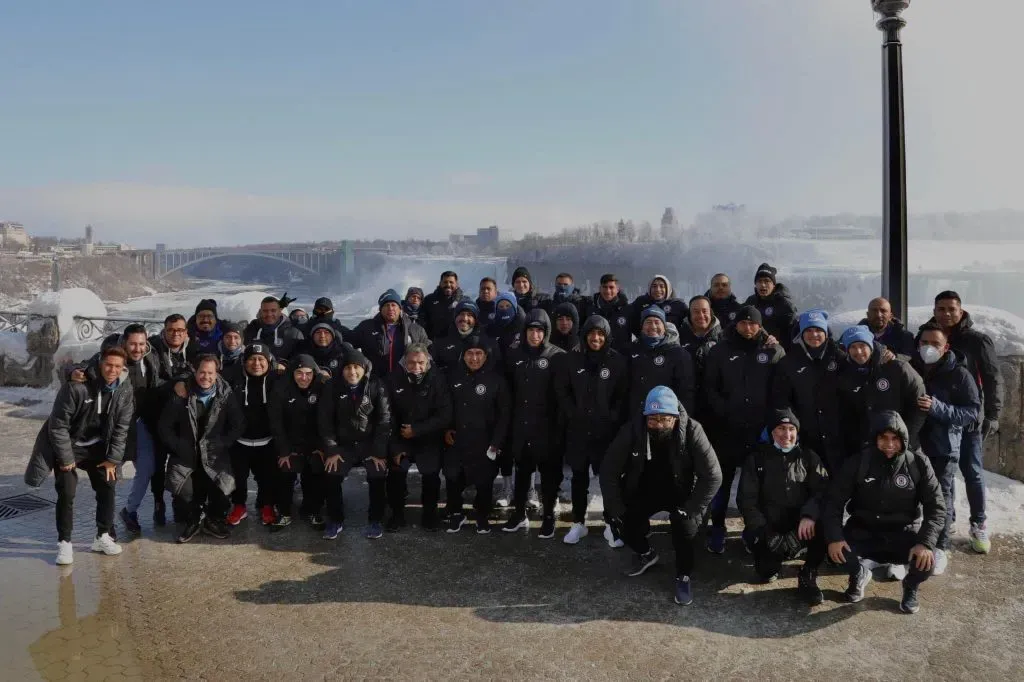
1005	328
14	347
64	305
32	402
240	307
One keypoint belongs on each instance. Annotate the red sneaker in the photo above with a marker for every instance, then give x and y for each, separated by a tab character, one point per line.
236	515
267	512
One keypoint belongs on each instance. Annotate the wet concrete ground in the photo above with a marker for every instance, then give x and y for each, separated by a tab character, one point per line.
414	605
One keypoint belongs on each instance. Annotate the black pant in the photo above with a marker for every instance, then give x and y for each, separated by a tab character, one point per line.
313	492
550	469
261	460
66	484
768	563
636	524
398	488
156	483
580	493
198	494
482	477
945	471
884	547
284	486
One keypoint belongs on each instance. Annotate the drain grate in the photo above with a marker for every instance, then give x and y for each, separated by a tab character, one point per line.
22	504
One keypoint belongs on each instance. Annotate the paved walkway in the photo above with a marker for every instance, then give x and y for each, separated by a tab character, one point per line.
288	605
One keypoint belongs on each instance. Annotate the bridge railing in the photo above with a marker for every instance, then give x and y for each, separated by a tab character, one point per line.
87	328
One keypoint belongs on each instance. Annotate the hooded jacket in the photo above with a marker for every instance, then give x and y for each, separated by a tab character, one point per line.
617	312
425	405
481	411
355	424
437	311
675	309
981	361
956	404
777	488
340	330
738	383
699	346
327	358
696	475
147	386
508	336
447	350
292	414
170	364
370	336
284	339
568	342
885	495
201	343
882	386
778	314
725	309
574	297
253	395
666	364
532	298
201	441
895	337
531	375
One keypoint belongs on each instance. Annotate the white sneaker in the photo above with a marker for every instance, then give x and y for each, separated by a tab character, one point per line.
979	539
577	532
507	489
896	571
610	538
941	561
65	555
106	544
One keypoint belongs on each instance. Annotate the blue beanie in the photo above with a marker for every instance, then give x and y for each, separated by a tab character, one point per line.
507	296
652	311
661	400
814	319
389	296
467	306
859	333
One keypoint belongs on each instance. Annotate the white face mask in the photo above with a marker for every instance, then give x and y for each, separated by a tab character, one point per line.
784	449
929	354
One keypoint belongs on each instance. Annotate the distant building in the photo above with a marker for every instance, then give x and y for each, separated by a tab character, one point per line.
13	236
487	236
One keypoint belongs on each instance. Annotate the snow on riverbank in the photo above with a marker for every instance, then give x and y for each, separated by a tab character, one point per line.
1005	328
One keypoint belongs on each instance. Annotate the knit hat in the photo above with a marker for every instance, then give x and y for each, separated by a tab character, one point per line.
207	304
469	307
661	400
652	311
323	303
765	271
354	356
324	325
389	296
814	319
236	327
303	361
507	296
858	334
259	348
476	341
414	290
522	272
748	313
783	416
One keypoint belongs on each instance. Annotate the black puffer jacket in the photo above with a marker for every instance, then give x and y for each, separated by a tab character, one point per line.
885	495
355	423
980	358
696	475
568	342
447	350
171	364
617	312
778	488
437	311
955	405
327	358
284	339
882	386
738	382
482	407
675	309
666	364
574	297
425	405
253	395
531	375
532	298
777	314
292	414
370	336
699	346
509	336
725	309
896	338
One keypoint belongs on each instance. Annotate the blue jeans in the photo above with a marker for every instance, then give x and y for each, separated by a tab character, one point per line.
945	471
971	452
145	463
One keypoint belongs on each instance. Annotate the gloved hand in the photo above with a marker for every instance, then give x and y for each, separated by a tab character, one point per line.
492	454
790	544
989	427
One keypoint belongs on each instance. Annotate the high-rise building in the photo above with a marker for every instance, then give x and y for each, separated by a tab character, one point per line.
13	236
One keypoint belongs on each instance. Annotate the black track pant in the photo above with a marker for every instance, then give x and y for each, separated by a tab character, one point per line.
482	477
884	547
261	460
636	524
767	563
550	469
198	494
66	484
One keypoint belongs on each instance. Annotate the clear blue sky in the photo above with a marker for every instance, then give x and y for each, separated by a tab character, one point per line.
434	116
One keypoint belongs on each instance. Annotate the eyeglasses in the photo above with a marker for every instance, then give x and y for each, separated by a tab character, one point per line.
177	331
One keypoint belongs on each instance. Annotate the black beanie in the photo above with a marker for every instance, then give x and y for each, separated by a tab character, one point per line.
353	356
522	272
323	303
474	341
748	313
766	271
783	416
258	349
303	361
236	327
207	304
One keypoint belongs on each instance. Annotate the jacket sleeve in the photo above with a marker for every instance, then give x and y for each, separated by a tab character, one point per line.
613	469
419	334
840	490
705	466
967	409
991	377
817	485
788	322
276	419
563	388
713	384
782	388
685	382
382	425
122	422
912	389
748	497
234	420
504	407
620	395
59	424
441	419
929	494
170	423
325	420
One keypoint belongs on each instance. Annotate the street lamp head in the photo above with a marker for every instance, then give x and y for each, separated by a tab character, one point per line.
890	8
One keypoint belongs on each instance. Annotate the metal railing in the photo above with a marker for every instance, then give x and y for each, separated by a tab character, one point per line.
16	321
87	328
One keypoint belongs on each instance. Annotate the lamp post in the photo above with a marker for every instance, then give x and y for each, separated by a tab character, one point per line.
894	214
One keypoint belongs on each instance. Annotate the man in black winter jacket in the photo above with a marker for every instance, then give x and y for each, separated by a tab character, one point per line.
884	489
170	347
87	429
772	300
657	359
738	381
564	292
323	313
486	300
660	461
421	411
526	293
951	404
980	357
273	327
611	304
532	369
595	384
412	303
438	308
325	346
508	324
384	337
565	329
723	302
447	350
888	330
782	490
659	293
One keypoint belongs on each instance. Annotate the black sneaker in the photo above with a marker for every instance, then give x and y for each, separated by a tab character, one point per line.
159	513
317	522
190	531
215	529
455	522
547	527
131	521
282	521
807	588
684	591
909	603
641	562
483	527
395	523
516	522
858	583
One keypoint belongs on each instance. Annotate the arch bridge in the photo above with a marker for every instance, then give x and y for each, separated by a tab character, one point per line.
312	260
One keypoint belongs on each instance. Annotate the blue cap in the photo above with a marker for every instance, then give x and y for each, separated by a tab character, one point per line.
507	296
652	311
467	306
661	400
857	334
389	296
814	319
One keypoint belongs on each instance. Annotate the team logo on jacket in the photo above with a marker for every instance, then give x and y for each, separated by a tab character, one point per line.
832	366
542	363
762	358
333	364
660	360
481	389
621	321
312	398
768	311
490	316
732	316
883	384
667	309
902	481
711	344
605	373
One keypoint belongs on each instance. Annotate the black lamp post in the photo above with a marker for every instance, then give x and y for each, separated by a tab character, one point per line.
894	214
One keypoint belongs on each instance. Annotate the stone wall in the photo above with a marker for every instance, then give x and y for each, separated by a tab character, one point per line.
1004	452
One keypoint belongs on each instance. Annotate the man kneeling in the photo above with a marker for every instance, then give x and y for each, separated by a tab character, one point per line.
661	461
781	492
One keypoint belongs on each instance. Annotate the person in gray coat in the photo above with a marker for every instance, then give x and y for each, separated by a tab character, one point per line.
87	429
199	430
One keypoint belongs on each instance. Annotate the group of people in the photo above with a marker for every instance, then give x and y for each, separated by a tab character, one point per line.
847	449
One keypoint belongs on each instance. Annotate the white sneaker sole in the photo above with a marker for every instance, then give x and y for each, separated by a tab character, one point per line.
522	525
109	551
